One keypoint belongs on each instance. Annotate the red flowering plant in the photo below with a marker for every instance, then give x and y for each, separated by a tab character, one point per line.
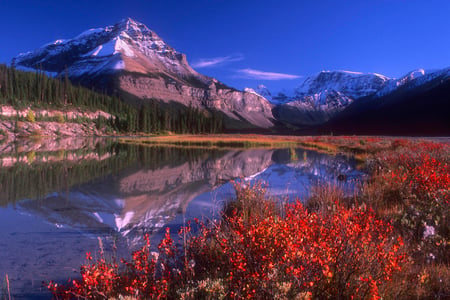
263	252
146	276
412	187
99	280
258	249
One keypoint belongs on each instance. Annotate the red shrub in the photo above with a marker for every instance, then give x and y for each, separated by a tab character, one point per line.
345	253
257	251
138	278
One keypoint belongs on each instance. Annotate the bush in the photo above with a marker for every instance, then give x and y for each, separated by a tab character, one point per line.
30	116
60	118
257	250
343	254
411	187
138	278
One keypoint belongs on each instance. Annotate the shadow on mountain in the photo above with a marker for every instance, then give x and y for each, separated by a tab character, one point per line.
415	112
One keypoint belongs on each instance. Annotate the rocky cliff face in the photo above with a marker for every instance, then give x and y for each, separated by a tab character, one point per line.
237	105
131	58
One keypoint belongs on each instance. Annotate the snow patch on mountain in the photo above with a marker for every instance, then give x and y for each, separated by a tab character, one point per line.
124	39
412	80
252	91
90	32
352	84
116	45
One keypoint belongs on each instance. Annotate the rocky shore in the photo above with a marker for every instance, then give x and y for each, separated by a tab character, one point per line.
29	122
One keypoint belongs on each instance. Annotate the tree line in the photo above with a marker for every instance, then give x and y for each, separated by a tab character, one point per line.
35	89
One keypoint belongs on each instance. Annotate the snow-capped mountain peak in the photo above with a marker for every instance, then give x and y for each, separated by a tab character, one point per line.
413	79
264	91
100	50
410	76
352	84
129	57
320	97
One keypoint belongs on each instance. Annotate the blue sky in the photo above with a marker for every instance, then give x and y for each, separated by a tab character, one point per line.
246	43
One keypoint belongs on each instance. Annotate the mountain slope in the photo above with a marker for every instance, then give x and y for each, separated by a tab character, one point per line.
128	45
321	97
355	103
128	57
131	60
417	107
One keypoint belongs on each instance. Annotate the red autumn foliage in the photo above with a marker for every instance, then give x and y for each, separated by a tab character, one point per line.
257	251
344	253
261	250
138	278
416	177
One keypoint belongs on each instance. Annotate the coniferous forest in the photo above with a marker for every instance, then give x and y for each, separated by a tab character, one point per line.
37	90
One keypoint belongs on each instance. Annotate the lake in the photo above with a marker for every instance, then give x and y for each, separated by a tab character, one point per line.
62	198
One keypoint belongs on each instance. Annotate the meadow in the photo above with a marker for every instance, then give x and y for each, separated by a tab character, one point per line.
390	240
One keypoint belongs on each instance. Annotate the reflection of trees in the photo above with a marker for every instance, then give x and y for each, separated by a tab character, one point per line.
24	181
32	170
133	188
138	188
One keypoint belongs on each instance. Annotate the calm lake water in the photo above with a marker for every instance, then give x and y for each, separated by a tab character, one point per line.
58	198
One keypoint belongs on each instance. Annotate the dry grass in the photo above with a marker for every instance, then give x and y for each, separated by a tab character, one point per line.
360	147
216	141
324	197
325	144
6	294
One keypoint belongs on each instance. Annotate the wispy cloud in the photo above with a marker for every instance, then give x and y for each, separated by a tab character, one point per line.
261	75
211	62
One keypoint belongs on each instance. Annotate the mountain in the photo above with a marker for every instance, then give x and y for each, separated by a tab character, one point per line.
357	103
131	60
352	84
320	97
416	104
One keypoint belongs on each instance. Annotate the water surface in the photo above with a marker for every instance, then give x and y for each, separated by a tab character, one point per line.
59	197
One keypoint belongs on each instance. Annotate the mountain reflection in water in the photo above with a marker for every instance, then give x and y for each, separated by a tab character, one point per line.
56	200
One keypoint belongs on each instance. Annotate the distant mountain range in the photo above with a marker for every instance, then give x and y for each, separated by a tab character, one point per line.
131	60
341	100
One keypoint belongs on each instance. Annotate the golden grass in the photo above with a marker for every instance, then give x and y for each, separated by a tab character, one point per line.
237	141
359	147
214	141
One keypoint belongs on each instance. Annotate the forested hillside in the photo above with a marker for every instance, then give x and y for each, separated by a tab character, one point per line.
35	90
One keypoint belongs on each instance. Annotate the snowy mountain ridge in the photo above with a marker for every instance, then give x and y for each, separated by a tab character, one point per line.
105	49
318	98
353	85
130	59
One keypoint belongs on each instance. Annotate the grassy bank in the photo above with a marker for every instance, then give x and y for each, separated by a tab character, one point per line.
215	141
355	145
390	241
325	144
